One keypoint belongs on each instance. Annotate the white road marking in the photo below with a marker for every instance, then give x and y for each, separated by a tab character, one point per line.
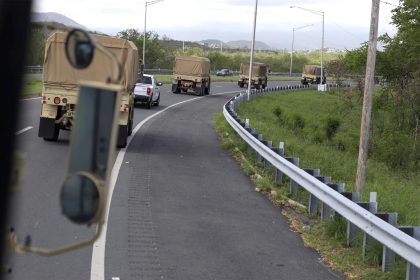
97	269
23	130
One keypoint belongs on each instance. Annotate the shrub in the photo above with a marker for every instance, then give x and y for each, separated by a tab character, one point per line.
278	112
331	126
298	122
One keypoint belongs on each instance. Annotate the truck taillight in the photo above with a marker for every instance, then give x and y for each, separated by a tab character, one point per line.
149	90
125	107
57	100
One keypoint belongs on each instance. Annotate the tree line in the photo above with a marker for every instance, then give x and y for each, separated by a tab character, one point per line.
160	52
396	107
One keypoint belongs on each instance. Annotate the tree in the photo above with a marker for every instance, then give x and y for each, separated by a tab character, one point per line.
154	54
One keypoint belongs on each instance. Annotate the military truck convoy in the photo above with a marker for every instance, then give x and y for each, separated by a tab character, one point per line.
60	84
258	75
312	74
191	73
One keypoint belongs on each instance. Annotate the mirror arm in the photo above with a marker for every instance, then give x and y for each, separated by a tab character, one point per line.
117	72
18	248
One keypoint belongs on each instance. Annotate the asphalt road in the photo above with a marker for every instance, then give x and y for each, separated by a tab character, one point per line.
181	208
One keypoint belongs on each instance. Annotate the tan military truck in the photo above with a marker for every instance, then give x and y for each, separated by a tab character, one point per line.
258	75
312	74
191	72
60	84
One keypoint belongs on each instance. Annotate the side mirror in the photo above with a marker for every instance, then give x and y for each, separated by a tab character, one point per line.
159	84
81	198
79	48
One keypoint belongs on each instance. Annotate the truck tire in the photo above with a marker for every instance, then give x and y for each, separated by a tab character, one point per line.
203	90
175	88
149	103
48	129
208	90
241	85
130	122
122	136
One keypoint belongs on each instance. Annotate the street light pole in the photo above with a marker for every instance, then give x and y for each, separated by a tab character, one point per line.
293	41
320	13
144	34
251	61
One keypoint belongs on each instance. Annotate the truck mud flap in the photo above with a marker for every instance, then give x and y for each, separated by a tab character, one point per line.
48	129
122	136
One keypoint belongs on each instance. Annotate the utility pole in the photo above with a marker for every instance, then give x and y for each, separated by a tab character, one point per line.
183	46
221	46
367	99
251	60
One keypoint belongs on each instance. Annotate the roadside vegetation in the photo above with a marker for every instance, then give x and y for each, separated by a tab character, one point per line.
31	88
161	51
322	129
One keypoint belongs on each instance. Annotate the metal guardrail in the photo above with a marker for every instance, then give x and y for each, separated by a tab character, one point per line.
392	237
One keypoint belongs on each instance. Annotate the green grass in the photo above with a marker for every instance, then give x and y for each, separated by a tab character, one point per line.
32	88
398	190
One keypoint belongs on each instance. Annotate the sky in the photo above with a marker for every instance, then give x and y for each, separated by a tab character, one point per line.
346	21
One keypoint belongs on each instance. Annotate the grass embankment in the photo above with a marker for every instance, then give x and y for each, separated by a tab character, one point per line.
32	88
322	129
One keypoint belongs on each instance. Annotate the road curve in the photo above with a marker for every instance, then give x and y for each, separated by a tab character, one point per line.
183	209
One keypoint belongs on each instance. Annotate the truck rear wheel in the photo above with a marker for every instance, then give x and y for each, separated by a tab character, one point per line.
130	122
48	129
122	136
208	90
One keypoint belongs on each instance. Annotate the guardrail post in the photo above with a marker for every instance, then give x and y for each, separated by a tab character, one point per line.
412	272
388	256
325	209
269	144
351	228
312	205
293	185
257	155
313	200
278	178
367	239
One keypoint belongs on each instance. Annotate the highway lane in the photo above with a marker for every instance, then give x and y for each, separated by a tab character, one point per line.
36	210
183	209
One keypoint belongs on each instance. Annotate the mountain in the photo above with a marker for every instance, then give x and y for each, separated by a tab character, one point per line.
243	44
55	17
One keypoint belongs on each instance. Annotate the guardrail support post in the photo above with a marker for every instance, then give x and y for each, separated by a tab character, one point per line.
313	200
367	239
269	144
293	185
257	155
412	272
388	256
279	175
312	205
325	209
351	228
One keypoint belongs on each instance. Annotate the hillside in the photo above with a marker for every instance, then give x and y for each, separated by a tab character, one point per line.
55	17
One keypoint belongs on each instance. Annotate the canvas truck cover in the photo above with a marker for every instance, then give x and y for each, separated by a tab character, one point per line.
312	70
192	66
258	69
59	72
